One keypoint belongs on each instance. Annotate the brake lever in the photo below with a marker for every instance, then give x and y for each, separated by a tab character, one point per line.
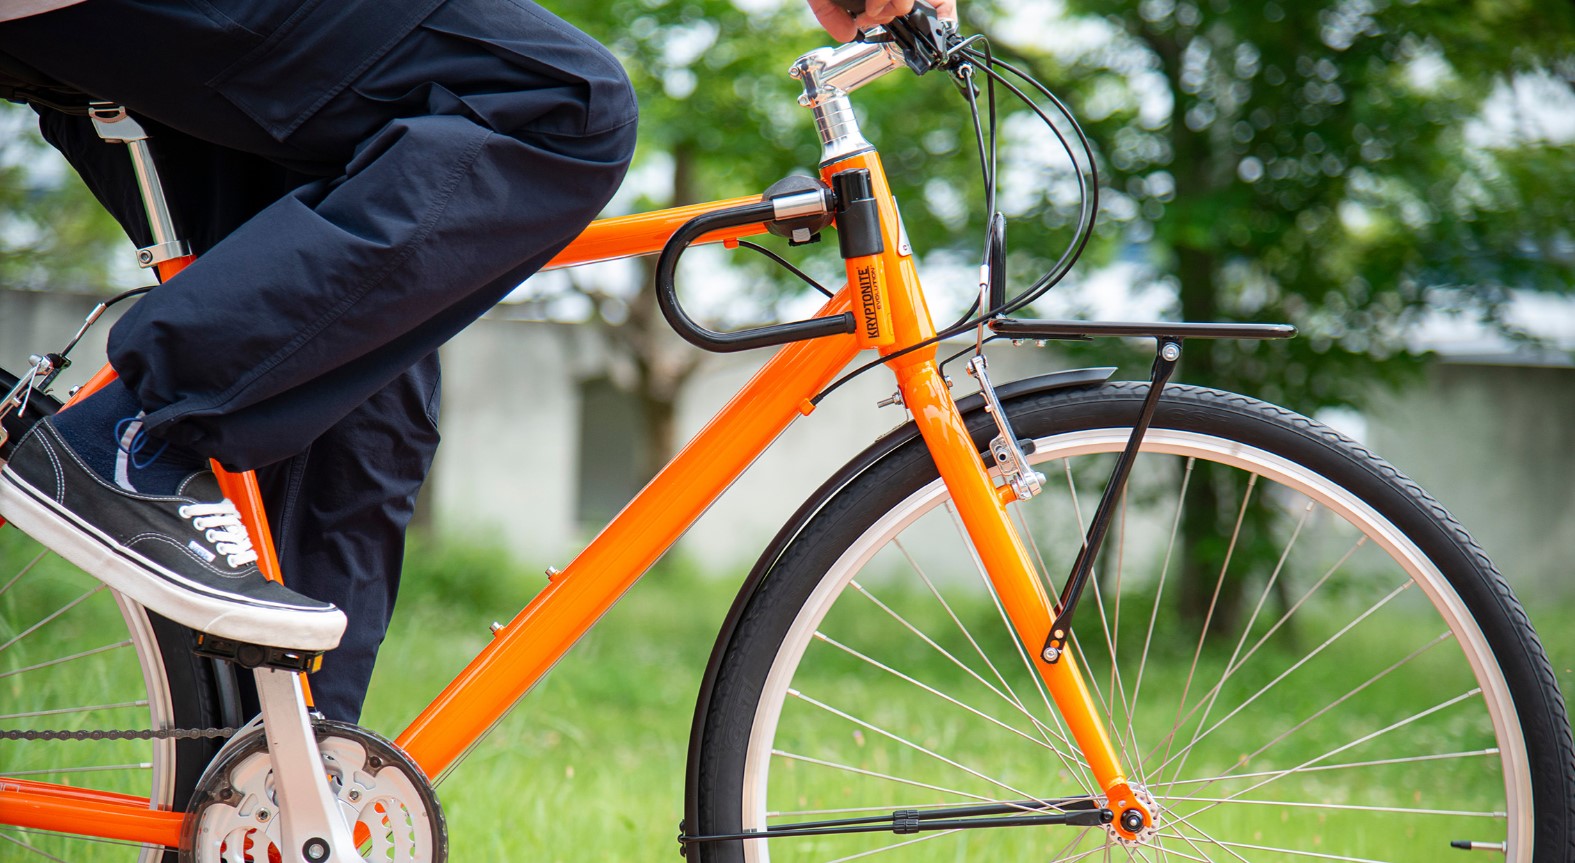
926	39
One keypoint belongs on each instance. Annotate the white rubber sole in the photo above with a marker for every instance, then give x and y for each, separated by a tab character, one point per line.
158	589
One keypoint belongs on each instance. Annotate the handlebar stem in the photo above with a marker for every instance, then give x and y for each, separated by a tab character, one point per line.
828	76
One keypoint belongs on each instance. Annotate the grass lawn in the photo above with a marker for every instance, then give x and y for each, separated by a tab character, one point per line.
591	763
594	756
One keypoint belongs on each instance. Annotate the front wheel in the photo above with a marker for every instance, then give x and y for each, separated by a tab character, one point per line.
1296	653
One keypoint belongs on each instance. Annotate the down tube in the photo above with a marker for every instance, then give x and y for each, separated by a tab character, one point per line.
538	636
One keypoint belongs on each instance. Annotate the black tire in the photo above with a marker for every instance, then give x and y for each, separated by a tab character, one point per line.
153	664
824	703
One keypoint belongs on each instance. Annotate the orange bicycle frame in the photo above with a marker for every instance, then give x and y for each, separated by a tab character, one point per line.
528	646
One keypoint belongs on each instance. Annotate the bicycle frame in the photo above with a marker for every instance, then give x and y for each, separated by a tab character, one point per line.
534	640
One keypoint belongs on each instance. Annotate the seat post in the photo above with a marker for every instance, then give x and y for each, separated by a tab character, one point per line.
115	125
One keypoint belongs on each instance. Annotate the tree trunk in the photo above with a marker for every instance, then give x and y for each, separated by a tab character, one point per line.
662	364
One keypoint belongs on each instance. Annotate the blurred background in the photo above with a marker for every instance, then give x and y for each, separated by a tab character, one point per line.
1397	179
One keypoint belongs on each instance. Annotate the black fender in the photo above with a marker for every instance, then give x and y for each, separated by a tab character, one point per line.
972	409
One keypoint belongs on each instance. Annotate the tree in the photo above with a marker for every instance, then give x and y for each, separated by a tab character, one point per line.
719	120
1324	163
53	234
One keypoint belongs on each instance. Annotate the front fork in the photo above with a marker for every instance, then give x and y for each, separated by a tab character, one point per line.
982	508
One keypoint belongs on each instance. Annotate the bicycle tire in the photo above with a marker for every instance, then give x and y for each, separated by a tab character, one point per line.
825	702
102	649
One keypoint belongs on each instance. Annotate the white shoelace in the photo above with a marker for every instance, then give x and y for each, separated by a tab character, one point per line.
221	525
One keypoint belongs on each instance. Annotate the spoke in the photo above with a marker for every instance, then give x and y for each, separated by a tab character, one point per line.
1208	619
1284	618
908	743
1442	637
28	846
1171	852
1336	703
954	660
94	769
1476	753
1202	855
871	773
1229	845
26	568
930	689
1115	623
1099	602
45	621
1230	664
1159	592
28	831
15	671
901	844
1354	743
1028	665
1206	837
1010	695
1351	807
1060	856
59	710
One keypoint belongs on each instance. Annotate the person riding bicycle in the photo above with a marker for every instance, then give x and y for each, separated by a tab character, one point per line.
360	179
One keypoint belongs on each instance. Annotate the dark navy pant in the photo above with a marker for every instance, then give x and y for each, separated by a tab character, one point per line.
362	178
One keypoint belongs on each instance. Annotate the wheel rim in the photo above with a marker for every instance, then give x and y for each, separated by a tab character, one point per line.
77	656
1187	837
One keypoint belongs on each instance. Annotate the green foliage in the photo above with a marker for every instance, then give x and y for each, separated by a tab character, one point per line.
53	234
1332	164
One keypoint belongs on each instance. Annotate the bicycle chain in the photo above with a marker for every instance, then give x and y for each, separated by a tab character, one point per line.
112	734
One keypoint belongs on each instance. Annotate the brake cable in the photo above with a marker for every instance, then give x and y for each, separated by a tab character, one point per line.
1088	190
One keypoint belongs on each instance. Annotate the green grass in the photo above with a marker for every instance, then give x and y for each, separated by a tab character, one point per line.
591	763
594	756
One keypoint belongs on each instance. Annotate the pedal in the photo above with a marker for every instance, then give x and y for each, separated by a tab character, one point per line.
257	655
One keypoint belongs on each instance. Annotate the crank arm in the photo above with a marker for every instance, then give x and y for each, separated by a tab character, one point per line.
313	830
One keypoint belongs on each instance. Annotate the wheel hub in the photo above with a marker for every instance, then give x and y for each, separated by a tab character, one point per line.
1128	828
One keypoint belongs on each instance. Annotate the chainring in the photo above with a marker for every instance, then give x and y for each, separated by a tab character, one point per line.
382	795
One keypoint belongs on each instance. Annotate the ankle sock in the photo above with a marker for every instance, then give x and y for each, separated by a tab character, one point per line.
105	429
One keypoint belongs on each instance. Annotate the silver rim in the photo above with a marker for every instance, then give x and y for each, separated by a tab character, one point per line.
1322	788
77	656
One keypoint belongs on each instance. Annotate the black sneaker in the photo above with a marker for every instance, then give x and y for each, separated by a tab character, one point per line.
186	556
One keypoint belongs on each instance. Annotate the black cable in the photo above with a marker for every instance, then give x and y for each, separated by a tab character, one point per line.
126	295
789	267
1090	203
1087	186
941	366
1088	191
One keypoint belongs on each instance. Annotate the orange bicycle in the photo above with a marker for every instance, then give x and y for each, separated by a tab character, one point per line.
962	646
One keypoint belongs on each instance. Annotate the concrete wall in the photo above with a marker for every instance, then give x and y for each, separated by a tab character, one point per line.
1496	445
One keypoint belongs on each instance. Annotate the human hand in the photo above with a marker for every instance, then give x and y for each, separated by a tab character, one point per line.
844	26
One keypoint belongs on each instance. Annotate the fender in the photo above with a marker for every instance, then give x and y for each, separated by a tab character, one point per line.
972	409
